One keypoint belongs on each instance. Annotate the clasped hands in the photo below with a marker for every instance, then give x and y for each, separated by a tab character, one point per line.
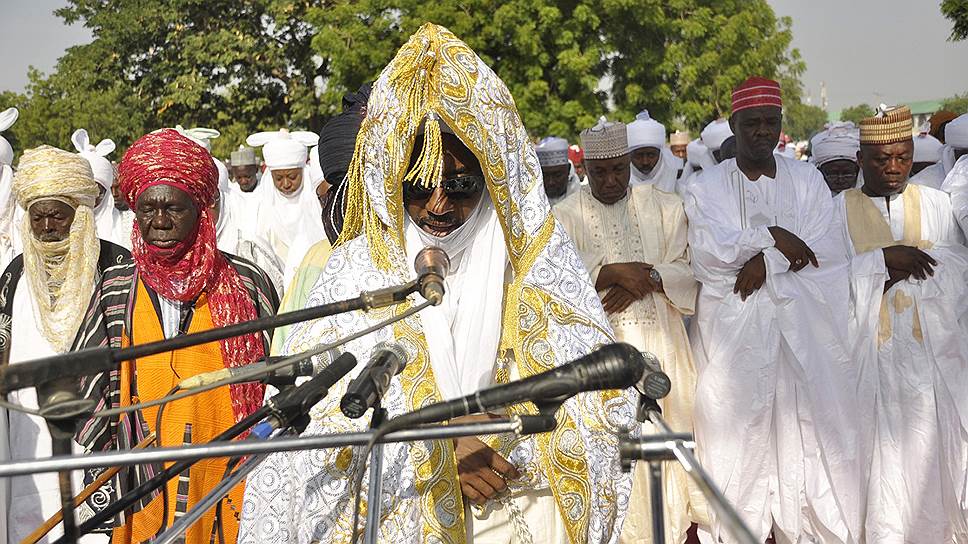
626	283
753	274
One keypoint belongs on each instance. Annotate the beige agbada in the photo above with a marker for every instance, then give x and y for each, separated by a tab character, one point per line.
648	226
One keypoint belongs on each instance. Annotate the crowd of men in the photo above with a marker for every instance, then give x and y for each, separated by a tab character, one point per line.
809	313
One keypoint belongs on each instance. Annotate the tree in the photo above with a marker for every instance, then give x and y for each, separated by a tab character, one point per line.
245	65
957	12
856	113
800	121
682	59
957	103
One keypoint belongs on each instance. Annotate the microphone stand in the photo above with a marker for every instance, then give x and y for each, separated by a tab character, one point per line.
374	504
100	359
670	446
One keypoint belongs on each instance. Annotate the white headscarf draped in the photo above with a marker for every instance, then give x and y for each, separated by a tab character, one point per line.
293	221
955	137
647	132
105	214
715	134
7	118
463	344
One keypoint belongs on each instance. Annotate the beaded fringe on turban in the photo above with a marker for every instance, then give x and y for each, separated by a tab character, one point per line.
60	274
195	265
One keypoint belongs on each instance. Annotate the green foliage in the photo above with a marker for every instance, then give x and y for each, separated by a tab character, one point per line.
957	103
245	65
957	12
800	121
682	58
856	113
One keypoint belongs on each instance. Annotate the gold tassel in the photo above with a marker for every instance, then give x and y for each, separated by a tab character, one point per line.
430	163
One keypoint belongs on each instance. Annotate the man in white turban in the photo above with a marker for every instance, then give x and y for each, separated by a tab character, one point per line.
289	216
632	240
652	162
956	146
43	298
558	174
927	152
835	155
8	227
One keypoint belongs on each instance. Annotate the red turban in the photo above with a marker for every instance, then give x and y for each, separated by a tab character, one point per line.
166	157
756	92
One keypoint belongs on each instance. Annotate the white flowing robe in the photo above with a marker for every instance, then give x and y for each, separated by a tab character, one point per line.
912	346
956	185
775	392
29	500
649	226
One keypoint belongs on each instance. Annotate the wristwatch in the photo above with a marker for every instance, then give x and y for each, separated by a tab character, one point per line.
654	276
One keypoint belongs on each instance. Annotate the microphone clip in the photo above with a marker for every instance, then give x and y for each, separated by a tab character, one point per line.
381	298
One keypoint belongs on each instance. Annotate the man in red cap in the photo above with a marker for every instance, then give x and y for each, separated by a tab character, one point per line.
775	387
176	282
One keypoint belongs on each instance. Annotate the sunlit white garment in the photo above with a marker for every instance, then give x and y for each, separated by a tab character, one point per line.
463	342
31	500
648	226
282	219
121	234
8	230
956	185
233	236
911	345
932	176
775	395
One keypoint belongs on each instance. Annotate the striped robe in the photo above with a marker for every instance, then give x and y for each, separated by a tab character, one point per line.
107	323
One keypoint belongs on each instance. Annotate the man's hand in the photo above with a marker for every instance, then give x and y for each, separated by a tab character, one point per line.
617	299
751	277
794	249
632	277
483	473
905	261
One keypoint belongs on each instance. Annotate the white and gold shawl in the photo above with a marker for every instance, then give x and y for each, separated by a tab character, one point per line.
551	316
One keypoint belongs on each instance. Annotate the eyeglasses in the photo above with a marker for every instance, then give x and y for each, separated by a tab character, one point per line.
459	188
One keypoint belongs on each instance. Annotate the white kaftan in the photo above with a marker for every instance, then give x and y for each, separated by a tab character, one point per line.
775	392
648	226
911	344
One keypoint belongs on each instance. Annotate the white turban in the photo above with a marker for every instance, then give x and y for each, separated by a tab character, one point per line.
715	134
646	132
102	168
840	141
927	148
695	151
7	118
282	149
552	151
200	135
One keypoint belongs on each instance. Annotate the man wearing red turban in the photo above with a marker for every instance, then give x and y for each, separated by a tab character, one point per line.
176	282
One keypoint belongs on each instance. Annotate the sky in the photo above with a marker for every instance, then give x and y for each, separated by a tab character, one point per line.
872	51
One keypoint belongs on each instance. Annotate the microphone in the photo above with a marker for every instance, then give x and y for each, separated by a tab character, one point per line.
432	265
280	377
291	404
655	384
388	360
615	366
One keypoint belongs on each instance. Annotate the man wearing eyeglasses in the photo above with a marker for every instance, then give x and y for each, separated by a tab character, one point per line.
633	243
835	155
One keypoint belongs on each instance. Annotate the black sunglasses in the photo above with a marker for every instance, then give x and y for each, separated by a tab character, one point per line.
459	188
